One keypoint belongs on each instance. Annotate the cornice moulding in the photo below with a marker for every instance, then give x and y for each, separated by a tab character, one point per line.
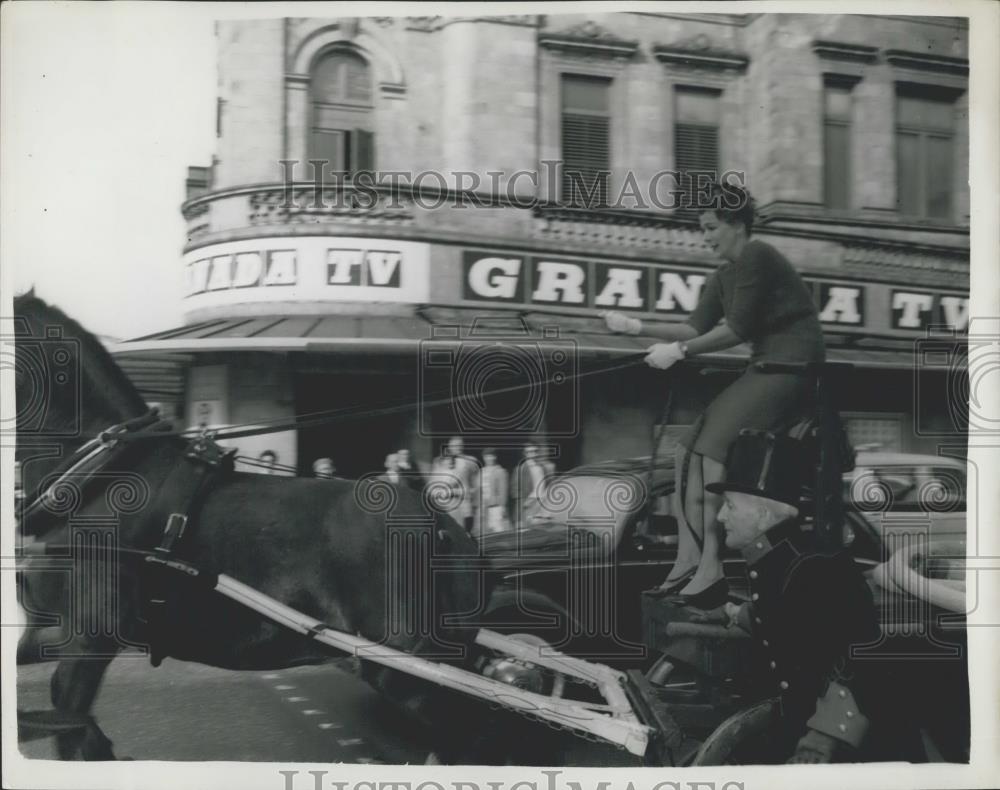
718	60
837	50
921	61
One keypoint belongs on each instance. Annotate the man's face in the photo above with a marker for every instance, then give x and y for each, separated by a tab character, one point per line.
489	459
742	517
392	463
404	457
455	446
530	451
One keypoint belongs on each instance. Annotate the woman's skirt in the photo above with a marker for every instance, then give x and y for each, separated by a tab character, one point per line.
760	401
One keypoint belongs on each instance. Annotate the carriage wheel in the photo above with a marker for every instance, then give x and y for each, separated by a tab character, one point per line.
742	739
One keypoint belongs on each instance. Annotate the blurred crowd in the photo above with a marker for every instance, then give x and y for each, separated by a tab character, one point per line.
480	493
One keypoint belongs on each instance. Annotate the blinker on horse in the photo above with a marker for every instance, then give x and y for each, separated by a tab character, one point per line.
315	545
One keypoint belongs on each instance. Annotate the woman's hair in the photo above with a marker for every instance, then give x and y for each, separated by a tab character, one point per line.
732	204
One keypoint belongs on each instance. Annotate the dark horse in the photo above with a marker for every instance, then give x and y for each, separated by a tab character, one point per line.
308	543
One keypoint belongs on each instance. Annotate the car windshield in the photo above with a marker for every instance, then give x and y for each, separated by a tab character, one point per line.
913	488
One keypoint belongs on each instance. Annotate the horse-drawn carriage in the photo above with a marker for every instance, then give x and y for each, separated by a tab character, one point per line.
249	572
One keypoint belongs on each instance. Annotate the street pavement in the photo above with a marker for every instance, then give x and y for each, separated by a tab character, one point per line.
185	711
319	714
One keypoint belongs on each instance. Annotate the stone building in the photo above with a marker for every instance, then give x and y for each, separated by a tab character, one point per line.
313	288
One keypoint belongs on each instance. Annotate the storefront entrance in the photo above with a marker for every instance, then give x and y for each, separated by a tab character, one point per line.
359	442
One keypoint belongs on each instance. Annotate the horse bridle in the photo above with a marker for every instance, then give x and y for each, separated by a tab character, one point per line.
90	458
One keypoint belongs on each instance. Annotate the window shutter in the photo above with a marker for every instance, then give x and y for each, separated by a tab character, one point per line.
586	139
363	150
697	111
586	147
696	150
330	146
836	160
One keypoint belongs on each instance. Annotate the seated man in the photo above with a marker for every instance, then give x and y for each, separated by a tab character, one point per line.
808	615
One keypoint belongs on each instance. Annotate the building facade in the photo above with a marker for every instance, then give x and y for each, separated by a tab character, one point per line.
403	208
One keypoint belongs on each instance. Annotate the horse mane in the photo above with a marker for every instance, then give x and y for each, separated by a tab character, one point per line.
101	376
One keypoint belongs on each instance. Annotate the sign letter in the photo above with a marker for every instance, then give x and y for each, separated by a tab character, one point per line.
559	282
955	310
621	289
247	270
679	293
343	267
494	277
841	305
383	268
909	309
280	268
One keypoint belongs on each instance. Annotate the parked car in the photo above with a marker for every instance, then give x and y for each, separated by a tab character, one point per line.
896	491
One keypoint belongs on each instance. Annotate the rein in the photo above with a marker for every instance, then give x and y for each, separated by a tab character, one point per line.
391	407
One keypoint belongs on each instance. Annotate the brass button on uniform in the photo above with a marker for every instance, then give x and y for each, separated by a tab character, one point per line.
850	714
765	643
843	728
842	694
784	685
760	545
754	574
754	597
774	665
758	620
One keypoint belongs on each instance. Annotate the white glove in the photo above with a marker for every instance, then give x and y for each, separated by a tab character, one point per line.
664	355
619	322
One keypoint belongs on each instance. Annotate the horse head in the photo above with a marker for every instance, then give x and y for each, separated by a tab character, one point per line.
68	387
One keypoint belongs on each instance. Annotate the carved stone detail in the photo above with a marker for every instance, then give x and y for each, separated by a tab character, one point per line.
277	207
192	210
425	24
588	38
928	269
649	233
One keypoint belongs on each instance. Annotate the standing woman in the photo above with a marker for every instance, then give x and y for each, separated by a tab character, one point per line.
755	297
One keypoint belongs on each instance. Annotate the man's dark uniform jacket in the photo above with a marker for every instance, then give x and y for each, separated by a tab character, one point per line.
806	614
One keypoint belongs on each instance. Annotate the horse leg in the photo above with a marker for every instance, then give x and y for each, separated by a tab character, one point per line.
74	687
35	639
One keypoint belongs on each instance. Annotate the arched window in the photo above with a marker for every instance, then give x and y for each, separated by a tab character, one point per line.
341	128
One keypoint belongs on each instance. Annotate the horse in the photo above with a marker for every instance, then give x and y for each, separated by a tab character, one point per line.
312	544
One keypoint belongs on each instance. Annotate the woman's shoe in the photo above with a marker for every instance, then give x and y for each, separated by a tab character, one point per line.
678	585
673	588
712	597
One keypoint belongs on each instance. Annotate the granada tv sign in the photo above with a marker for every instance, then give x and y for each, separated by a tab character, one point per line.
537	280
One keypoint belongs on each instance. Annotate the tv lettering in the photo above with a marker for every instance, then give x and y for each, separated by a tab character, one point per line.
374	268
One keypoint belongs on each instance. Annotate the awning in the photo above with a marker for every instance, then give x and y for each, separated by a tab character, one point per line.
440	326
